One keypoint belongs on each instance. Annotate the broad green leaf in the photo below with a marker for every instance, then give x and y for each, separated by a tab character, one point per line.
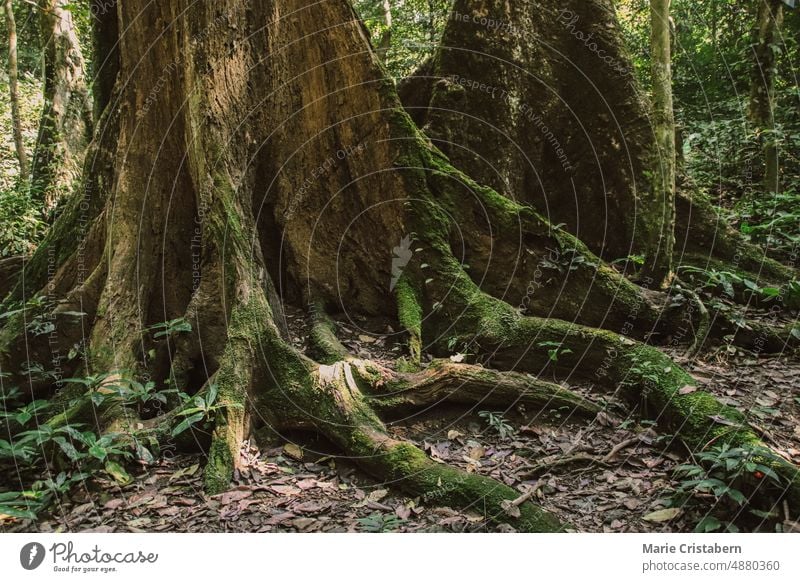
118	472
708	524
186	423
98	452
18	513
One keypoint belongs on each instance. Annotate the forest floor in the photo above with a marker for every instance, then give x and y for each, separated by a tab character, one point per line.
608	474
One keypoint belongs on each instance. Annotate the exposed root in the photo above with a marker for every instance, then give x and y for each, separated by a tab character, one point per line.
409	313
703	235
761	337
346	419
669	394
444	381
234	382
642	373
325	347
289	391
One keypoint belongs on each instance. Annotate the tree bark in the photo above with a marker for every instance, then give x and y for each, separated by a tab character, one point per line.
13	86
538	100
255	153
105	33
66	124
658	266
766	43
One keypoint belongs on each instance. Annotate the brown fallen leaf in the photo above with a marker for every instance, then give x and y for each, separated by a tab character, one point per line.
139	523
310	507
114	504
280	518
285	489
303	523
235	495
476	453
185	472
632	503
293	451
688	389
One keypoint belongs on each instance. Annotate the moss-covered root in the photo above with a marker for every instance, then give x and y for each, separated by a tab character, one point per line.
445	381
705	239
233	381
646	375
226	439
342	414
325	346
409	313
770	338
407	467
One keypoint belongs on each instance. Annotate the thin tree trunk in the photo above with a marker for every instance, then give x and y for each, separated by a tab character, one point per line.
762	92
658	265
13	85
386	38
431	23
66	124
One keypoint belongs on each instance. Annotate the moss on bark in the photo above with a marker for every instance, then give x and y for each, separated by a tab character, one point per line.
409	314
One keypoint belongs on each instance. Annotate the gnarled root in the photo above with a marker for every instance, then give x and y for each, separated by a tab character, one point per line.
444	381
325	347
259	371
342	415
643	374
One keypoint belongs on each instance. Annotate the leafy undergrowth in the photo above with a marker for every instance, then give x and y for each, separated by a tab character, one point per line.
19	214
612	473
298	487
771	220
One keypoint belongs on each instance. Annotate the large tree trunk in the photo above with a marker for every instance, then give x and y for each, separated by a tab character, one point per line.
13	87
253	154
66	124
538	100
766	42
